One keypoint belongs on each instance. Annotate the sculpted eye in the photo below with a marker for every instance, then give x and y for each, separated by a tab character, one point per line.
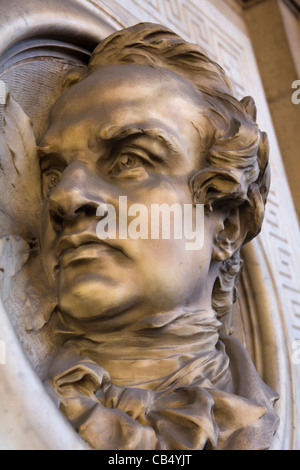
50	180
129	166
127	161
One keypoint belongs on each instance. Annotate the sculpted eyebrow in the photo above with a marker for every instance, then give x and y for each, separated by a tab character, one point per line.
121	133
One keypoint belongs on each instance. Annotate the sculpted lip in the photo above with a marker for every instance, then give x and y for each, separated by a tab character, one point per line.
82	246
84	252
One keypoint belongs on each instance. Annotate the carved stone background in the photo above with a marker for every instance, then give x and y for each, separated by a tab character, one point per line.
270	286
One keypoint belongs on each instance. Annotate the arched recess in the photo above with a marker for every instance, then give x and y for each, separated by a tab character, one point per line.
267	337
40	42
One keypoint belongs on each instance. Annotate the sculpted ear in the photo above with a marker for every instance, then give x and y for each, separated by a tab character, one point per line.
229	235
237	226
238	208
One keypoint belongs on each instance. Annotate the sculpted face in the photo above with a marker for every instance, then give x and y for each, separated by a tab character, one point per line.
126	130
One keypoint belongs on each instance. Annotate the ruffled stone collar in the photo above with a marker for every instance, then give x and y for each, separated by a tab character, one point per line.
216	400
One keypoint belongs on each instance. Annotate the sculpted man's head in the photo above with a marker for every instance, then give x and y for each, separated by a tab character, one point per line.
153	119
140	363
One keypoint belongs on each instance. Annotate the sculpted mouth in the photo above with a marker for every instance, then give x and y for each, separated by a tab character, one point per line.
82	247
88	251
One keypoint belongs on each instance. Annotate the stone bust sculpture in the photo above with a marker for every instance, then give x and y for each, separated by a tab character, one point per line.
140	351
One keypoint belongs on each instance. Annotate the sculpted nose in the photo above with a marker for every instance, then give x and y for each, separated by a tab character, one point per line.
79	192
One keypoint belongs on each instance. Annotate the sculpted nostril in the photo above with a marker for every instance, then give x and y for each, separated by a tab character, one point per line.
88	210
61	211
56	219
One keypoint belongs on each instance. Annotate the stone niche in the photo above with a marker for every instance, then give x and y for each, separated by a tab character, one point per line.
175	362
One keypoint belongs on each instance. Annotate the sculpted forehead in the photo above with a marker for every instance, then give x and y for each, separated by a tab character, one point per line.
123	83
122	95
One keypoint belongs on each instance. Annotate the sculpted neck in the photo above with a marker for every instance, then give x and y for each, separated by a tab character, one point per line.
145	353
